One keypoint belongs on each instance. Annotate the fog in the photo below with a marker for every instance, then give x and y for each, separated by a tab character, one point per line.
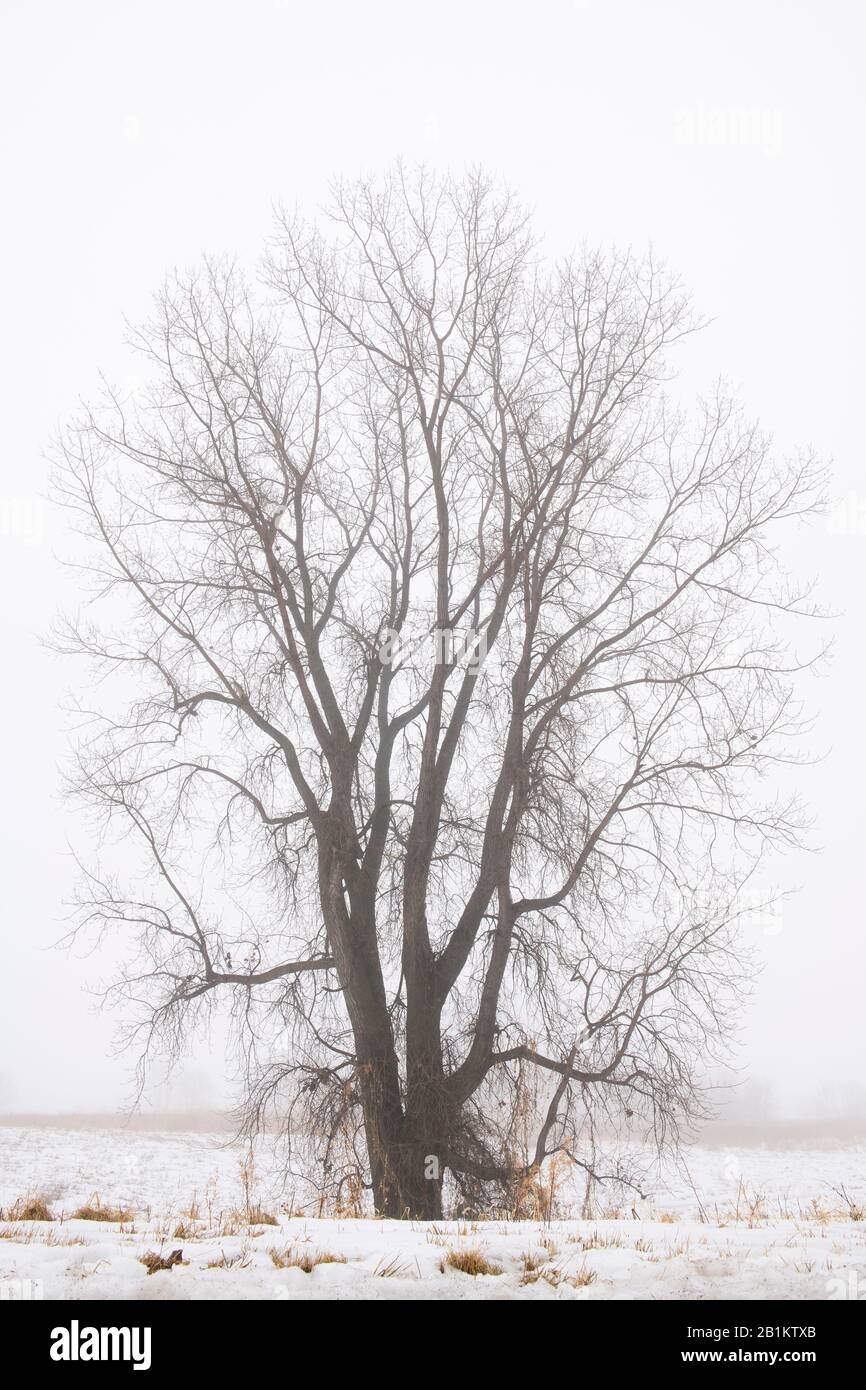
137	136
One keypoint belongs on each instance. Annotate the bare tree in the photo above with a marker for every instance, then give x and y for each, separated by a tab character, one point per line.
442	657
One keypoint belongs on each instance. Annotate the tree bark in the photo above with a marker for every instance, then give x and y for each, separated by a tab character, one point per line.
407	1168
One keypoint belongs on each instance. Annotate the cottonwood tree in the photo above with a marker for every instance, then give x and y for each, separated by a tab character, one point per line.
441	658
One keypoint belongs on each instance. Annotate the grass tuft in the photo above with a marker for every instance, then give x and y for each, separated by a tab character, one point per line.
240	1260
304	1259
257	1216
29	1209
392	1269
97	1210
470	1261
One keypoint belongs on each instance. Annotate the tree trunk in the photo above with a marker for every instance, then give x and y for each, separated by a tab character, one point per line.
408	1183
406	1157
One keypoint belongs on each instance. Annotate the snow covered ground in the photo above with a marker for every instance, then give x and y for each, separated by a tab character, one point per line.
734	1223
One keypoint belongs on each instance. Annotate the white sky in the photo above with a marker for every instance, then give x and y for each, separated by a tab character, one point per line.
136	135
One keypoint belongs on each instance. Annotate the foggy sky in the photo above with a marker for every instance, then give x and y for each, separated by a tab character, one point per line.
136	136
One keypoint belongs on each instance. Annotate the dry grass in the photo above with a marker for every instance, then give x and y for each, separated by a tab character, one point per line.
257	1216
469	1261
673	1252
350	1203
818	1211
304	1259
393	1269
581	1277
30	1235
31	1208
253	1212
228	1223
236	1222
184	1231
436	1236
750	1208
222	1225
239	1260
535	1271
536	1268
535	1197
853	1210
97	1210
597	1241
